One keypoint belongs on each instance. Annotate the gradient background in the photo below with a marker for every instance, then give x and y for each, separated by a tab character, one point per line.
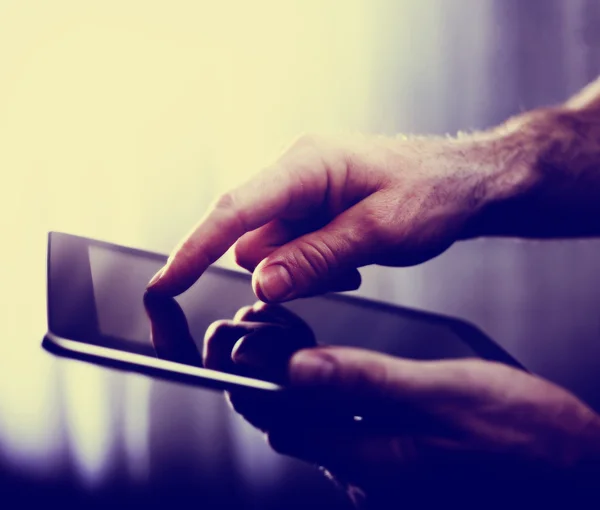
122	120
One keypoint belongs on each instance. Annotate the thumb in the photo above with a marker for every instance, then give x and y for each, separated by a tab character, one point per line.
320	261
359	375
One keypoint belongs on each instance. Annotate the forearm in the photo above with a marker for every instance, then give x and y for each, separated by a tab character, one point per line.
547	182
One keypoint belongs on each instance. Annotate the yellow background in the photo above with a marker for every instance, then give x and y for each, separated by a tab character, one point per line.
122	120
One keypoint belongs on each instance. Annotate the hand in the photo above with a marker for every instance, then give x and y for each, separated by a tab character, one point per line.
329	206
467	426
258	342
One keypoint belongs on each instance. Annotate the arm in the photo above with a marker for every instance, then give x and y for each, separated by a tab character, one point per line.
328	206
558	151
468	427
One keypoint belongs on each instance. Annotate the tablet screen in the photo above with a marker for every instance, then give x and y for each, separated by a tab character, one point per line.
96	295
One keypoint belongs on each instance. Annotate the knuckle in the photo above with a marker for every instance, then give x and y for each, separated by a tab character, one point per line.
306	164
469	374
375	377
225	201
261	306
307	140
227	204
242	313
215	330
314	257
307	156
363	376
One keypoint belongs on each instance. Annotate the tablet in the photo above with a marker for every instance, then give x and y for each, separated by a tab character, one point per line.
96	313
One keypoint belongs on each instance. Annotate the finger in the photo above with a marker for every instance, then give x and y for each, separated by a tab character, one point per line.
286	410
254	246
268	366
262	413
169	331
306	265
257	245
371	380
219	340
266	354
243	314
346	281
271	313
288	186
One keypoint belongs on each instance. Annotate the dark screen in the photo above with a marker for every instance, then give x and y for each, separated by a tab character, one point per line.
119	280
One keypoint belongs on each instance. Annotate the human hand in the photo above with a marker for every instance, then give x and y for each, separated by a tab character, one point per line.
329	206
470	426
251	343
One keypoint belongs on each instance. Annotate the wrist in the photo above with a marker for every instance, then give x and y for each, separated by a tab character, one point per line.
480	171
513	178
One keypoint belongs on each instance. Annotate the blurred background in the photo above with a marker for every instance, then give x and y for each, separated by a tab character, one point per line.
122	120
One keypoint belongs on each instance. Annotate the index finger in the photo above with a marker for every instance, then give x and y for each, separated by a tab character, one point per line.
246	208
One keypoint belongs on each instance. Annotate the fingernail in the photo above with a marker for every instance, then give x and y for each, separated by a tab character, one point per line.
155	278
311	367
245	356
275	283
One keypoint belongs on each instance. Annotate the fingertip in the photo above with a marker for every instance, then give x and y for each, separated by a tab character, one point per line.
161	283
273	284
242	313
168	282
154	280
240	354
259	293
180	271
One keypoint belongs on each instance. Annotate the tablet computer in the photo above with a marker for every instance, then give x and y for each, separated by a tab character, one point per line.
96	313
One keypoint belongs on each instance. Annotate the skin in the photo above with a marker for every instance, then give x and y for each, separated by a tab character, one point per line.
329	206
466	427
